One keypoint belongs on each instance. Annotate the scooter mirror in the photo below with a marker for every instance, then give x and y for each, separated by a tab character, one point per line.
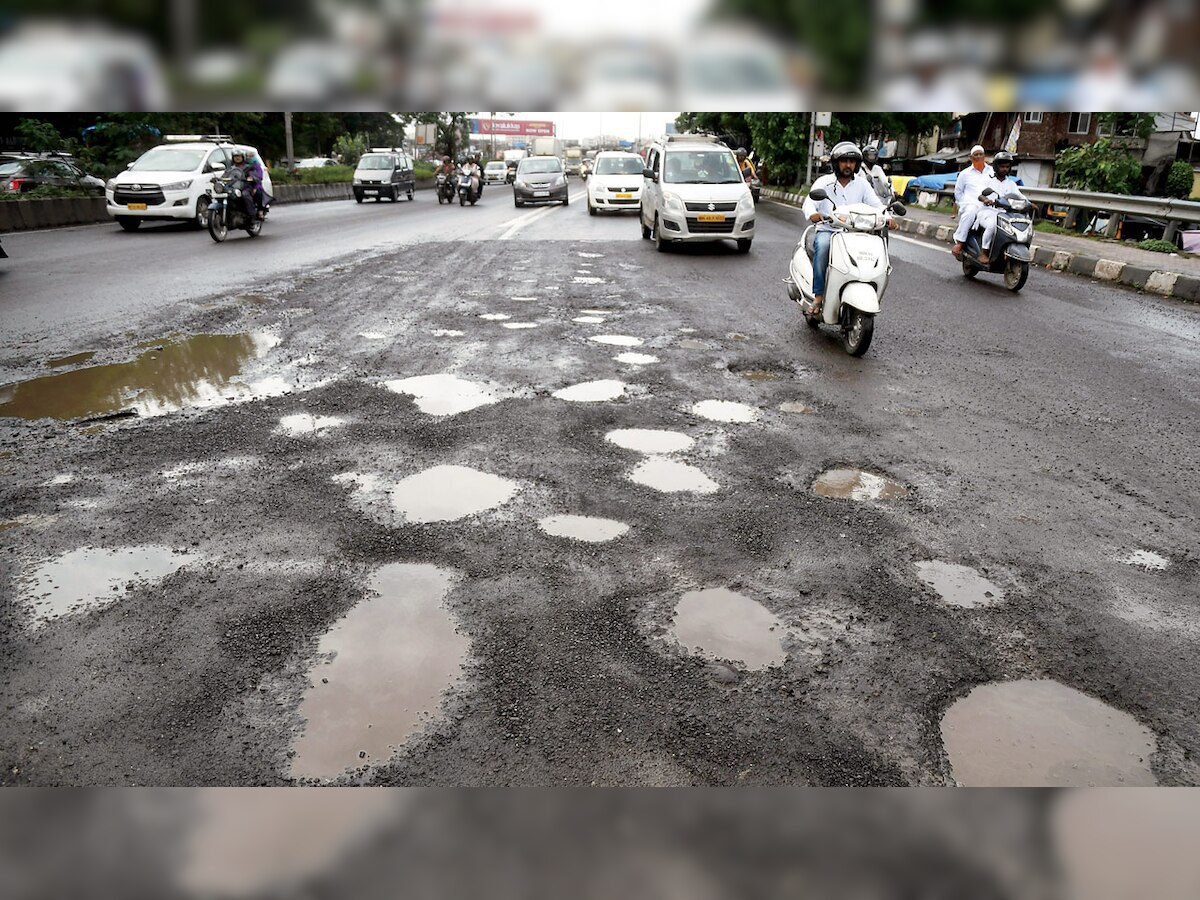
819	194
898	209
988	192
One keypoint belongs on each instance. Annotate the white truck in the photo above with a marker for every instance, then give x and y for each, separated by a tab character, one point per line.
573	160
547	146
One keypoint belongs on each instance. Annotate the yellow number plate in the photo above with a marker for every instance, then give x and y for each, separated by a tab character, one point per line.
137	205
624	196
710	217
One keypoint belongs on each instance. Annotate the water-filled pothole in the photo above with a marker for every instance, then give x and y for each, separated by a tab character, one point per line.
855	484
636	359
723	624
693	344
192	371
617	340
592	391
583	528
649	440
390	659
724	411
88	578
959	585
442	395
1146	559
306	423
73	360
672	477
589	320
447	493
1039	733
494	317
794	406
447	332
760	375
588	279
519	326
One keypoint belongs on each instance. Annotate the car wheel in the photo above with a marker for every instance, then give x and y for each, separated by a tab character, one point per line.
394	195
642	222
591	209
566	199
358	198
659	244
201	219
744	245
517	203
129	223
412	194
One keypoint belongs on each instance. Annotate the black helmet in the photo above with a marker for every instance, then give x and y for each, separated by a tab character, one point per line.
846	150
1003	157
871	155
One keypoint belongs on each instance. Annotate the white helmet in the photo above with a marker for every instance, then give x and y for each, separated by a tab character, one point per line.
846	150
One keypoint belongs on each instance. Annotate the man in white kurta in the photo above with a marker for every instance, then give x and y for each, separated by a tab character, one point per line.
970	183
987	211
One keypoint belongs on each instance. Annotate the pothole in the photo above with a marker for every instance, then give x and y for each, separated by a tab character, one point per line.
724	411
636	359
447	332
592	391
73	360
672	477
648	440
387	663
616	340
725	625
855	484
65	478
518	326
794	406
194	371
442	395
306	423
494	317
589	320
693	344
1146	559
372	335
583	528
959	585
1040	733
86	579
588	279
449	493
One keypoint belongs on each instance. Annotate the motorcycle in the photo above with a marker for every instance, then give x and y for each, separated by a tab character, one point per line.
445	188
859	267
225	210
1012	247
467	190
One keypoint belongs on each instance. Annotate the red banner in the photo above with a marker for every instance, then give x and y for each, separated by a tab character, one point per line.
512	126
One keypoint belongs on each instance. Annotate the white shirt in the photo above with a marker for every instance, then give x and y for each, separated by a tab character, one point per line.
1005	188
877	178
970	184
857	191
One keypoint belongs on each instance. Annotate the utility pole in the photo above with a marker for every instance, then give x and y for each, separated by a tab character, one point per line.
812	136
287	137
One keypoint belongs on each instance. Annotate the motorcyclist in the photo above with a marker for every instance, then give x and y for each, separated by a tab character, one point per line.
1003	186
875	176
967	187
844	187
239	177
260	199
472	169
745	164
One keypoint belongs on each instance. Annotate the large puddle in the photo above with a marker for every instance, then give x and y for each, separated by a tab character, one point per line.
193	371
636	359
89	578
1146	559
724	411
617	340
306	423
389	660
442	395
495	317
74	359
589	320
855	484
519	326
1039	733
447	493
592	391
723	624
672	477
959	585
583	528
649	440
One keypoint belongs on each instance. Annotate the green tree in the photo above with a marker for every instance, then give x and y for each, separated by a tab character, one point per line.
1129	124
349	148
1180	179
38	136
1098	167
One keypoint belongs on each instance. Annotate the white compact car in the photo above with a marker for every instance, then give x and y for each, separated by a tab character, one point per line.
615	181
692	190
171	181
495	172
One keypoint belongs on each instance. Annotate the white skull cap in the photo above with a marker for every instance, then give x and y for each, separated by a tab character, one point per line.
978	148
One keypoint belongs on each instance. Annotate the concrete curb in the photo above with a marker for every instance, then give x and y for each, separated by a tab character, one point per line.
1155	281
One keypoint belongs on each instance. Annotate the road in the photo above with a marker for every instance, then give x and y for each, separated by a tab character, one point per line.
348	587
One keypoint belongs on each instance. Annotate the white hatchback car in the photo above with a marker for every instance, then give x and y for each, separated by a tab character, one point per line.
171	181
615	181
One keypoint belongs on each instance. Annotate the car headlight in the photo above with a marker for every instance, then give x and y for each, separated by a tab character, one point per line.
110	185
672	202
358	181
521	183
178	185
559	181
746	204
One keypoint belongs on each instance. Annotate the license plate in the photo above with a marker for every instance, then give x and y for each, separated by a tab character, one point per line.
710	217
624	196
541	193
370	191
136	205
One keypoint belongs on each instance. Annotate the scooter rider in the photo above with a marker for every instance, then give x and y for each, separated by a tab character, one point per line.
875	176
843	187
745	164
1002	164
971	181
473	169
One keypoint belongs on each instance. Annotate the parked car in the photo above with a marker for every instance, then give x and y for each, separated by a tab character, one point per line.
540	179
25	174
616	182
172	181
495	172
384	173
316	162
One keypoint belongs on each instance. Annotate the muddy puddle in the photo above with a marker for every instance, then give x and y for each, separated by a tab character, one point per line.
74	359
589	320
592	391
583	528
724	411
760	375
90	578
959	585
1146	559
636	359
306	423
442	395
195	371
725	625
649	440
693	344
448	493
494	317
1040	733
617	340
672	477
794	406
518	326
384	667
855	484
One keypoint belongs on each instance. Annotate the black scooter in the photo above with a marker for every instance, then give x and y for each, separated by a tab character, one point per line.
1012	247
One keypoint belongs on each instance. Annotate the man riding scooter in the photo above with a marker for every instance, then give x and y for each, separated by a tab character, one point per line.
967	187
874	175
1003	187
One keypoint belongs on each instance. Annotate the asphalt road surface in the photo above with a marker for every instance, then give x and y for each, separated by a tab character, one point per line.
261	541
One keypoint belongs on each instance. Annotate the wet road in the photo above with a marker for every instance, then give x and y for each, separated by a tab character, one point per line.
502	496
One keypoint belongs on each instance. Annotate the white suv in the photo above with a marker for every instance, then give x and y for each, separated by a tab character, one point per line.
171	181
692	190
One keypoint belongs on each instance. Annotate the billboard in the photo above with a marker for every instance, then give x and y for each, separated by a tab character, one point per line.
512	126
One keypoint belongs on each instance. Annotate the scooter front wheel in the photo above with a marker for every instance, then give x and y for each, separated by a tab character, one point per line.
1016	273
970	270
857	336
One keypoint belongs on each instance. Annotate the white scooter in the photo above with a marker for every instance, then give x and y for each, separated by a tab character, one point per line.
858	271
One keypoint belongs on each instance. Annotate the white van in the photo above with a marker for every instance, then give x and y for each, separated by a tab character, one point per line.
692	190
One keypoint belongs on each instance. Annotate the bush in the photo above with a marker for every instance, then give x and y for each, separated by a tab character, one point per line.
1179	179
349	148
48	192
323	175
1098	167
1158	246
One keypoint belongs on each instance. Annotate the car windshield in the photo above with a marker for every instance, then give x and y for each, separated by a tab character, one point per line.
10	168
494	166
538	166
619	165
375	162
701	167
170	159
310	163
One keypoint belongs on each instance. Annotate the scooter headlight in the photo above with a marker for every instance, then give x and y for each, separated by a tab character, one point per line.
863	222
1004	226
